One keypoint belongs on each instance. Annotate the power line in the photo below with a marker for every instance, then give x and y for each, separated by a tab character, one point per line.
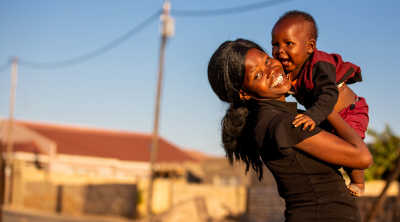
183	13
85	57
225	11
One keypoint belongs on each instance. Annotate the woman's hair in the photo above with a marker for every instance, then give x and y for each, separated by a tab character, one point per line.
226	72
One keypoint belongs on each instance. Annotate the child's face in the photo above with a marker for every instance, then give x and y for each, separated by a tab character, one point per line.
264	77
291	44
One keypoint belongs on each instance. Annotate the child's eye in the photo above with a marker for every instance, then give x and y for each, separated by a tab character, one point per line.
289	43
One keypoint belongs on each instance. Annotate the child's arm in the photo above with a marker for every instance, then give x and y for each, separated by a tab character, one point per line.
324	79
304	120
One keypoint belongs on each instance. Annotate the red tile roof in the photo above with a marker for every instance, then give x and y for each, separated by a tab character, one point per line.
92	142
199	156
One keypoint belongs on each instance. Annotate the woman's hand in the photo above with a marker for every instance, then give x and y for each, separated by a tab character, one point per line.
305	120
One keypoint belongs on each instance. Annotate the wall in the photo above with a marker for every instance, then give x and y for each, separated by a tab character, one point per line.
220	201
97	199
35	188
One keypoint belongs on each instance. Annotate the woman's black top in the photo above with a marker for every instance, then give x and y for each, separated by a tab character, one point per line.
313	189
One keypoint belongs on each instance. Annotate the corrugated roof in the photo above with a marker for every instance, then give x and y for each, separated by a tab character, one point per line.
123	145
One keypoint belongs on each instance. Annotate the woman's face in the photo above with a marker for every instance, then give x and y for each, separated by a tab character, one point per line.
264	77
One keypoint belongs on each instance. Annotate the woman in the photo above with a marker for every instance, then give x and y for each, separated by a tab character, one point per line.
260	128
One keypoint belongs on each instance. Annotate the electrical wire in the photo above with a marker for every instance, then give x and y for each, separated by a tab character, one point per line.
225	11
97	52
177	12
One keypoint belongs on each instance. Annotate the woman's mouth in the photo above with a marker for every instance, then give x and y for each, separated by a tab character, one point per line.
279	79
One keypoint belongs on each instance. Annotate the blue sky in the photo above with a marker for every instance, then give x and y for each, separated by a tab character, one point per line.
116	90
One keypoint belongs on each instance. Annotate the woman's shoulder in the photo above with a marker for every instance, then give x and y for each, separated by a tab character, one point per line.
268	118
267	121
277	128
273	118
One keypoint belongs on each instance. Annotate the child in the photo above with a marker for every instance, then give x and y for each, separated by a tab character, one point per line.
319	80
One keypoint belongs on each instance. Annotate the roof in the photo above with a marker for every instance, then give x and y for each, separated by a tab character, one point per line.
199	156
123	145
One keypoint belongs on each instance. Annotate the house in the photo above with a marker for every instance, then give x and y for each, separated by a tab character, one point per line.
91	152
50	161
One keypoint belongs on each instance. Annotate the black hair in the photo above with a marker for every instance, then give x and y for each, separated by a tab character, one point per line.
226	72
303	15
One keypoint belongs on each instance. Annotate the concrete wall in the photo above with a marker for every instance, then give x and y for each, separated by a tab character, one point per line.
69	169
121	199
220	201
97	199
39	196
35	188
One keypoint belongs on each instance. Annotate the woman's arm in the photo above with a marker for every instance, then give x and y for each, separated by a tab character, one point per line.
350	151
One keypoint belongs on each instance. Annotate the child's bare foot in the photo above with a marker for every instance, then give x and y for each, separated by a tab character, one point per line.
356	189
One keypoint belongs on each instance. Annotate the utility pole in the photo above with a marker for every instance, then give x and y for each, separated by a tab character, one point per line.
167	30
10	137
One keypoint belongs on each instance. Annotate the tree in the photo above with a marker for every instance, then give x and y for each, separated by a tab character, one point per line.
385	150
386	153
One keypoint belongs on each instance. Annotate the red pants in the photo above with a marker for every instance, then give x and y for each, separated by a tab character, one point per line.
356	115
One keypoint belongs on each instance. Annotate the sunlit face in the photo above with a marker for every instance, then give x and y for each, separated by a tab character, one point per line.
291	44
264	77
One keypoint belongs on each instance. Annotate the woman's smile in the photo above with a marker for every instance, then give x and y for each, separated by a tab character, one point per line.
278	78
264	77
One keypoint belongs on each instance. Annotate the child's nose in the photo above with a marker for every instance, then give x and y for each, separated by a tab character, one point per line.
281	51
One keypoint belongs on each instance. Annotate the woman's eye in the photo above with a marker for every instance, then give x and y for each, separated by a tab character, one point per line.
258	75
267	60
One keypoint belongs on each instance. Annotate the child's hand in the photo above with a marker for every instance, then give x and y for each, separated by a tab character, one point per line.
304	119
356	189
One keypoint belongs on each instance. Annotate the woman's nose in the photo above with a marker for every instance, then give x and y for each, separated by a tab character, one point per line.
273	62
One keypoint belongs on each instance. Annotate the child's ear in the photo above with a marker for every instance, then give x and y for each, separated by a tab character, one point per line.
311	45
243	95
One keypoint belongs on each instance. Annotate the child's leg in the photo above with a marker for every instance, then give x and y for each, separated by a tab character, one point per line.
356	115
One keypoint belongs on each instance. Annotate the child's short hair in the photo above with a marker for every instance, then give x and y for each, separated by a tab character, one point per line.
303	15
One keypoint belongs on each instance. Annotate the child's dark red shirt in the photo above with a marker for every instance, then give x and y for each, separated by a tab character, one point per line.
316	85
